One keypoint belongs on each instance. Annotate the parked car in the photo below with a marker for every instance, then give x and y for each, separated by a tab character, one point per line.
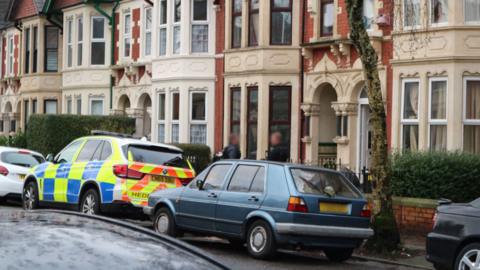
52	239
454	242
267	205
106	173
15	164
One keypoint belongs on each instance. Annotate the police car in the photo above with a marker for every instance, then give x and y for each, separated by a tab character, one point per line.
98	173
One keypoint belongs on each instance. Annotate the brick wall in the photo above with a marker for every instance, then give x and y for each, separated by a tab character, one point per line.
136	34
414	219
219	74
23	9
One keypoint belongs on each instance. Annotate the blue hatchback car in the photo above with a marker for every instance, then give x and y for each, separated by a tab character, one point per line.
267	205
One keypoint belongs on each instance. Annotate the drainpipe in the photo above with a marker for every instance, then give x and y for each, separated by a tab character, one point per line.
111	22
302	70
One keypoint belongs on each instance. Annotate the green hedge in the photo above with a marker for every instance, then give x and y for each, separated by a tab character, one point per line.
199	155
18	140
435	175
50	133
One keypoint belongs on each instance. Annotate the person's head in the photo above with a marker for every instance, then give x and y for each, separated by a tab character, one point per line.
233	139
276	138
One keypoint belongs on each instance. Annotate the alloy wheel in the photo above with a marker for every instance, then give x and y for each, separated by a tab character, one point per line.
470	261
163	223
88	206
258	239
29	195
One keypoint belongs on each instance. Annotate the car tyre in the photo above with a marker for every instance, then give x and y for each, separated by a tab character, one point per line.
260	240
90	203
30	196
338	254
164	223
470	253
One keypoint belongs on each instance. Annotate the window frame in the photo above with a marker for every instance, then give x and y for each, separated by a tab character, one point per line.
273	10
159	120
477	22
79	39
413	26
126	35
35	49
251	122
27	44
226	178
78	109
259	166
250	12
10	55
98	40
69	44
69	109
174	121
234	16
271	122
436	122
147	31
466	121
193	23
194	121
409	122
161	27
45	101
323	3
90	107
176	25
430	17
45	64
239	121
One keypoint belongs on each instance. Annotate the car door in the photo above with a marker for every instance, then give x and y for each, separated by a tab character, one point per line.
54	178
244	194
196	206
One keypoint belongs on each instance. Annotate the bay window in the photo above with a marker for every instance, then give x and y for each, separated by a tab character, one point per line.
199	26
69	106
438	114
438	11
161	117
127	34
69	42
147	51
50	106
51	49
98	41
253	22
34	106
96	107
177	17
10	55
27	50
237	24
175	117
281	22
79	105
280	107
79	41
327	9
252	119
198	124
411	13
368	13
410	114
162	32
472	11
471	130
235	113
35	49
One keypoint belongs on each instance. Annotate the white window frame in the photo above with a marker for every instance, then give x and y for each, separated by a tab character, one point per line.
69	100
436	122
177	121
90	107
69	43
10	55
79	98
98	40
410	27
127	35
375	11
162	27
194	23
467	122
79	40
409	122
477	22
146	31
430	17
175	25
162	121
198	122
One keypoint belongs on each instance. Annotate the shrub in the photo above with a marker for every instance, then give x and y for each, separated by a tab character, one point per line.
18	140
50	133
436	175
199	155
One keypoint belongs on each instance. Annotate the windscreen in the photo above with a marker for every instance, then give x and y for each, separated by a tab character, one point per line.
27	160
155	155
317	182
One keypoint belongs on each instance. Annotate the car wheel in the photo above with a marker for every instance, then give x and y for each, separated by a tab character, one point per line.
30	196
164	223
260	240
338	254
90	203
468	258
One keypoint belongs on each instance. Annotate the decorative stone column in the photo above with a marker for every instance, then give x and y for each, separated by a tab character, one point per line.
311	112
345	149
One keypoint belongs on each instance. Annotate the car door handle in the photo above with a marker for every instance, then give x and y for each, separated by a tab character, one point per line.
253	199
212	195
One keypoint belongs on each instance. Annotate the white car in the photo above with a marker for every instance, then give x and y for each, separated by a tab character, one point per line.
15	164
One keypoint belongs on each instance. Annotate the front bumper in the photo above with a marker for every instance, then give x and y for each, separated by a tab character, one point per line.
147	210
323	231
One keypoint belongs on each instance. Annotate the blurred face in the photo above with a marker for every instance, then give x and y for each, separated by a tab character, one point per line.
234	140
275	139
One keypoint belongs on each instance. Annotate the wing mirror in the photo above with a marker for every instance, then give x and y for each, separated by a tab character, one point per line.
199	184
49	158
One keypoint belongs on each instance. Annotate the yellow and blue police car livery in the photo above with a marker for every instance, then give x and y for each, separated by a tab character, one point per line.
118	178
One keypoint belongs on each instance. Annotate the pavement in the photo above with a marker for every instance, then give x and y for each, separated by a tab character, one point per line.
238	258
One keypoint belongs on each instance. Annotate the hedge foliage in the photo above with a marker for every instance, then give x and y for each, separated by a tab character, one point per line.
199	155
435	175
18	140
51	133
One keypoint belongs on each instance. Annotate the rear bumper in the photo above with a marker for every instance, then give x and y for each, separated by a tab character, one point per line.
441	249
323	231
10	186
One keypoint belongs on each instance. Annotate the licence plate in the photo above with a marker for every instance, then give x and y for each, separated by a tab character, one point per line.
164	179
334	208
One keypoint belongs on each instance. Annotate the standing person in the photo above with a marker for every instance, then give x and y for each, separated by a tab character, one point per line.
277	152
232	151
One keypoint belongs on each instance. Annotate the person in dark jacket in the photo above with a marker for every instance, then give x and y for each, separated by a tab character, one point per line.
278	152
232	151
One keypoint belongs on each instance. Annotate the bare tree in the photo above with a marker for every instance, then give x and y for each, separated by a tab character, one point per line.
384	224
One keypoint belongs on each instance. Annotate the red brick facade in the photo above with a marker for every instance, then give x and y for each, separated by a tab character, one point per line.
59	4
23	9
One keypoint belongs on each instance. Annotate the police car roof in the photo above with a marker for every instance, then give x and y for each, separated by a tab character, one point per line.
126	141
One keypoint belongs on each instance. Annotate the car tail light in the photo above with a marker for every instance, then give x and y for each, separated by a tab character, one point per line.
24	152
297	204
123	171
434	219
3	171
366	212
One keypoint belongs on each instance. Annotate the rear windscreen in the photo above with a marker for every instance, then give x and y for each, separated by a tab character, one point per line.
22	159
155	155
322	183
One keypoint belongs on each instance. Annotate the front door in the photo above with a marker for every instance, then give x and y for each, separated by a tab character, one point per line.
364	139
196	207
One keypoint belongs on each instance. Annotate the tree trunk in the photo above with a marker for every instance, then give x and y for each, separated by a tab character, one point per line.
386	232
